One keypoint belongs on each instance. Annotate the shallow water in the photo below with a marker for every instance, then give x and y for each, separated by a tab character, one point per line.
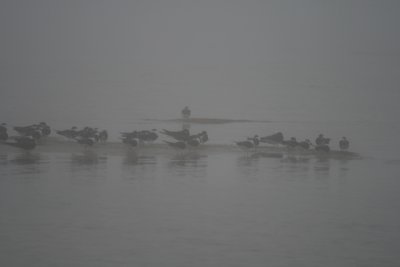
88	207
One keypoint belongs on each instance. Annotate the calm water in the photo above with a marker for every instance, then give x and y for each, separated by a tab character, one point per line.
225	208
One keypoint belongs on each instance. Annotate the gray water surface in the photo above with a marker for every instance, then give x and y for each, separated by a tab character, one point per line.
196	209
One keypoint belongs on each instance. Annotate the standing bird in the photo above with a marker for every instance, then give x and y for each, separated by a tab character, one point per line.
203	137
103	136
344	144
322	143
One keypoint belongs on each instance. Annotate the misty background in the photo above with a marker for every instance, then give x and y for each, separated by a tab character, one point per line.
77	61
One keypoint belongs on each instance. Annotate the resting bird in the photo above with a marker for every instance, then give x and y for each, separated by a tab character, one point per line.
24	142
193	141
130	141
248	144
69	133
147	136
276	138
178	135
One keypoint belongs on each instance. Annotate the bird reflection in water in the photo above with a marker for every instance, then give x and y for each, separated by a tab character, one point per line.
192	159
248	165
88	157
190	163
296	164
322	166
133	158
3	159
26	158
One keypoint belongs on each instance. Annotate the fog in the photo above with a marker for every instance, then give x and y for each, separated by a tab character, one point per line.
270	60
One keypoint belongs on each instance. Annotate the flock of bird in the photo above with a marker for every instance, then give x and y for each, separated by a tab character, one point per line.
28	137
321	142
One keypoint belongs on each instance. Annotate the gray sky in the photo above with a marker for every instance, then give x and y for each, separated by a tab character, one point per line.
261	57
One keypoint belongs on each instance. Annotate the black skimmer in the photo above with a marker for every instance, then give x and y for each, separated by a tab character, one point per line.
130	138
23	142
177	135
69	133
132	142
193	141
249	144
31	130
147	136
273	139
